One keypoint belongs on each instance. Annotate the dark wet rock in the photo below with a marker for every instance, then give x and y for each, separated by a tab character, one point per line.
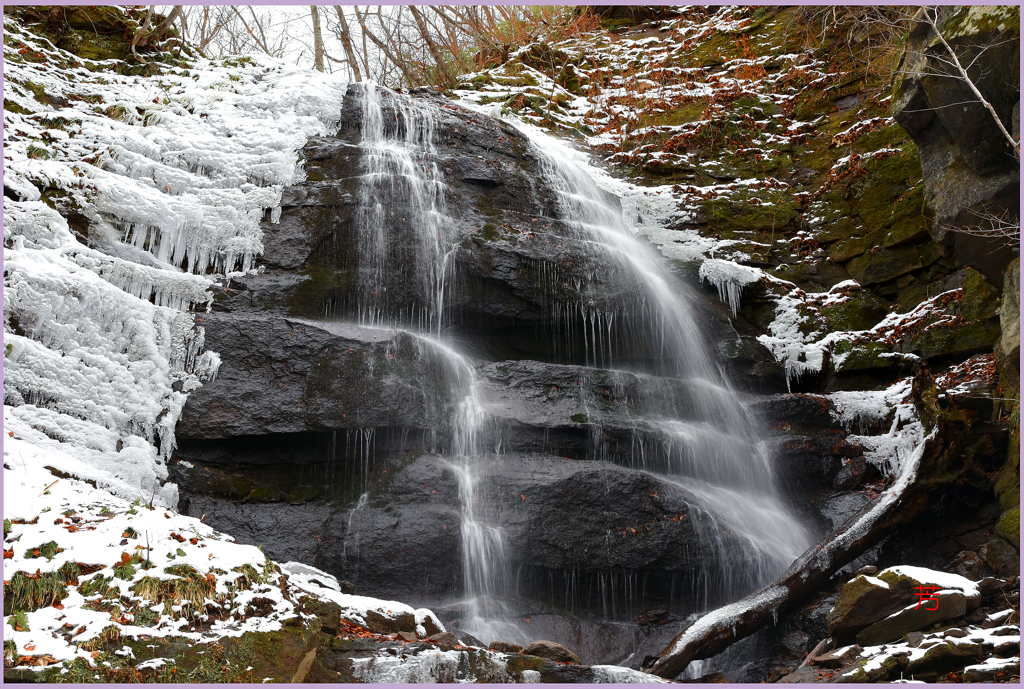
288	375
551	651
405	541
347	587
814	622
1001	557
797	413
812	462
839	507
796	644
944	605
971	565
261	524
558	515
750	363
505	647
853	474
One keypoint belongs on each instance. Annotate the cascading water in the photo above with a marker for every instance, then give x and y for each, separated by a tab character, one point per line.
401	177
719	461
711	454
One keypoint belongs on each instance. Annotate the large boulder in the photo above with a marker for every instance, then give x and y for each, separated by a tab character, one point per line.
968	166
878	607
284	375
558	515
551	651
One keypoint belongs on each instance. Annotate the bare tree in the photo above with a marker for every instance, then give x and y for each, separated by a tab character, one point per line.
318	40
345	37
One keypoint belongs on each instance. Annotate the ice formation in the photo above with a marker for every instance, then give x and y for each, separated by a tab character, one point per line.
165	180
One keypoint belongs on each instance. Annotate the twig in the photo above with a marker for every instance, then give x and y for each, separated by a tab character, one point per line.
47	488
814	653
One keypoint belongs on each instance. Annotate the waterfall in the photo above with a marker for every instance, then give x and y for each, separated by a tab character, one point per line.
710	452
721	465
401	176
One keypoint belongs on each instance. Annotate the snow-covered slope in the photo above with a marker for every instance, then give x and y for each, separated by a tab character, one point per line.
165	179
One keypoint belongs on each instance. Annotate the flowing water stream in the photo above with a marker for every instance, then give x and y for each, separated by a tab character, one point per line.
714	455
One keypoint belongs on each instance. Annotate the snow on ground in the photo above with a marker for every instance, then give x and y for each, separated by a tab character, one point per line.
83	566
1004	639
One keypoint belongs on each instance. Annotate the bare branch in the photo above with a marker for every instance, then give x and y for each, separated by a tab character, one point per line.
931	18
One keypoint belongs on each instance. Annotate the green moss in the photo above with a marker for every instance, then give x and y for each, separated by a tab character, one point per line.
265	494
1008	526
980	298
303	494
959	340
11	106
579	418
736	213
489	232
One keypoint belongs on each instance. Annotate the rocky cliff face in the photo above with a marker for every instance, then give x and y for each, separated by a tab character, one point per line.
307	414
969	168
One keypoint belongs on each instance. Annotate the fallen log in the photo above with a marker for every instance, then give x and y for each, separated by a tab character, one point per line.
927	468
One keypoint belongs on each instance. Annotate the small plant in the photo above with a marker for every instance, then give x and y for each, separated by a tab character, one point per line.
69	572
19	621
7	522
39	152
10	652
125	569
47	550
33	591
98	584
249	576
146	617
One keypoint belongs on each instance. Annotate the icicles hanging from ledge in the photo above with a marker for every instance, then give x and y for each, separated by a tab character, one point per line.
168	182
729	278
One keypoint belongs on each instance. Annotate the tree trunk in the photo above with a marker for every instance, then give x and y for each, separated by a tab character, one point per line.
435	52
928	468
318	40
346	42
